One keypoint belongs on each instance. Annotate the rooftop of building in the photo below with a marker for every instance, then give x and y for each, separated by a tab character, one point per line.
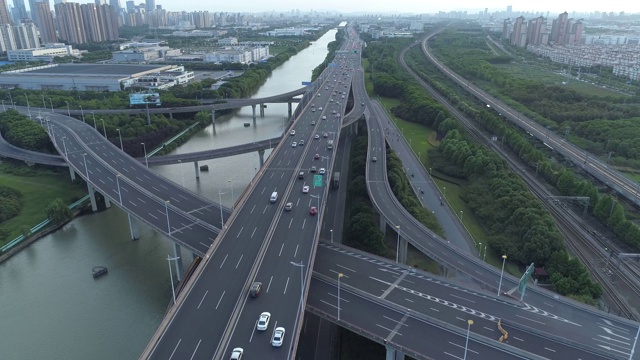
97	69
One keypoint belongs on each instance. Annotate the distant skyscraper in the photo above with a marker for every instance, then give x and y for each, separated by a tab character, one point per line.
535	29
560	29
47	27
519	33
21	10
509	9
4	13
150	5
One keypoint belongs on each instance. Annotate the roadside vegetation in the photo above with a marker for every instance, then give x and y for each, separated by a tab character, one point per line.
517	224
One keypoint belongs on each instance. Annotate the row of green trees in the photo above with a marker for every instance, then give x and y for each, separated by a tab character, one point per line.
563	179
517	223
10	203
362	230
23	132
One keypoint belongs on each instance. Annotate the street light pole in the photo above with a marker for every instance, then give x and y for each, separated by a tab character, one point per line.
166	207
68	110
181	172
173	290
504	258
11	98
82	112
466	344
64	144
51	103
220	193
119	191
86	169
339	276
104	129
44	103
146	159
28	107
398	243
94	121
231	184
461	216
301	266
485	253
120	136
331	231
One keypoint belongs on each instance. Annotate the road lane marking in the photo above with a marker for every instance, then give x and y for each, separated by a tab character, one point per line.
204	296
174	349
150	214
344	267
238	264
240	232
285	286
251	212
517	338
290	222
408	300
539	322
223	260
393	286
142	201
281	247
265	209
219	300
461	298
546	348
254	231
295	253
304	222
269	286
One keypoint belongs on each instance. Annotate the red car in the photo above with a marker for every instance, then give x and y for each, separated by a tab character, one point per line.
313	211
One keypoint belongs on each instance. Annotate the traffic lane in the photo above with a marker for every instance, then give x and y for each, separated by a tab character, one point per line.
397	327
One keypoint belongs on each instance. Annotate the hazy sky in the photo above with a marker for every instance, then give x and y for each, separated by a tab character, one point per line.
401	6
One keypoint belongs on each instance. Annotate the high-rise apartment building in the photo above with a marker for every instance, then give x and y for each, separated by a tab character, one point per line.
150	5
79	24
560	28
20	11
70	24
47	26
4	13
519	32
535	30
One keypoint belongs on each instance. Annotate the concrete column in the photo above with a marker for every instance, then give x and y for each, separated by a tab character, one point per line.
170	115
92	196
72	173
290	107
393	354
133	228
254	111
178	254
383	223
402	250
107	202
197	168
261	156
355	127
261	110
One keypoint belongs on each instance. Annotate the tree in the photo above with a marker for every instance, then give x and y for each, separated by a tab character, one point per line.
58	212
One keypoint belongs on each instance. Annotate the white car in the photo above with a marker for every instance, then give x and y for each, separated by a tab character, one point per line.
292	132
316	136
321	171
278	337
313	122
305	189
236	354
263	321
320	108
294	144
324	117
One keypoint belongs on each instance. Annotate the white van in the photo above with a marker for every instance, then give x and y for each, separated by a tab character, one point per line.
274	196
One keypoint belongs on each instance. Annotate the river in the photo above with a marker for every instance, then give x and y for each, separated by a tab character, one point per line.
50	305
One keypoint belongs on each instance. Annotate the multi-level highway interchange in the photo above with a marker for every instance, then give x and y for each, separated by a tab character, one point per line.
407	310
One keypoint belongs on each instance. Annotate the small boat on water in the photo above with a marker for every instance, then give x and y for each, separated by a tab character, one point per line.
247	124
204	167
99	271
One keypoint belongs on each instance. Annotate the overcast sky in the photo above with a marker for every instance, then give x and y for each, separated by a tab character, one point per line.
399	6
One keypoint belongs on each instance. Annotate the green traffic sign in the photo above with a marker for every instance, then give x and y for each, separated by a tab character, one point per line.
317	180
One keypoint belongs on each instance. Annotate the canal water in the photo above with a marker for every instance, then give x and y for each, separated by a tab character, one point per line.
50	305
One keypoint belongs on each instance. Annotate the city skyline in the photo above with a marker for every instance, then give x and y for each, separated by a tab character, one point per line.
397	7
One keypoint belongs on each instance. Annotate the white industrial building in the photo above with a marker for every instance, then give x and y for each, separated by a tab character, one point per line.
145	54
94	77
239	54
46	53
230	41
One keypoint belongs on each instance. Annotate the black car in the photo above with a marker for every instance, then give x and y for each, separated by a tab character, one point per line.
254	291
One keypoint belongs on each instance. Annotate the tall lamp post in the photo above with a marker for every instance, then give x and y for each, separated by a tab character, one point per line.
466	344
120	136
64	145
11	99
232	199
119	191
504	258
146	159
44	103
28	106
94	121
301	266
104	129
173	290
331	232
398	243
181	172
51	103
220	193
82	112
339	276
68	110
166	208
86	169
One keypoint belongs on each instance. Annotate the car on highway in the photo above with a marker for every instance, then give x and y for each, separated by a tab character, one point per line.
263	321
313	122
374	159
305	189
288	206
324	117
313	211
278	337
294	144
362	104
316	156
321	171
301	143
236	354
313	109
325	135
320	108
316	136
313	169
254	290
292	132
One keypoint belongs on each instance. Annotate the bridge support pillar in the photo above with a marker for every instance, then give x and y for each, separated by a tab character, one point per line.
383	223
170	115
393	354
253	107
290	109
262	110
177	255
133	228
72	173
92	196
402	250
107	202
197	168
261	156
213	120
354	126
